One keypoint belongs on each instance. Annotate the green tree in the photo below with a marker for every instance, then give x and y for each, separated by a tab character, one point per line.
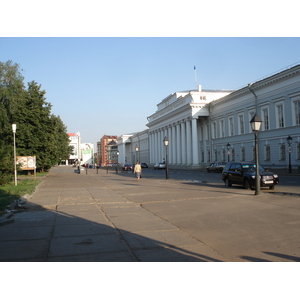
39	133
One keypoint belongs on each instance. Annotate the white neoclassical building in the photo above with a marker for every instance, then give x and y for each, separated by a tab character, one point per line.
204	126
178	118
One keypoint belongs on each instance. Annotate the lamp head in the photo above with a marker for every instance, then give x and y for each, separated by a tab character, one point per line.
289	139
166	141
255	123
14	128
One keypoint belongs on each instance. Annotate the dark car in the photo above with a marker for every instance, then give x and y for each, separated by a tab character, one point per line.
244	174
216	167
127	167
144	165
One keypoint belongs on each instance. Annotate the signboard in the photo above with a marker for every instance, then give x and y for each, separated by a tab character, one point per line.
26	162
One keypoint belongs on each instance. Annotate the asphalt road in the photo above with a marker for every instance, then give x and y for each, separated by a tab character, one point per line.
288	184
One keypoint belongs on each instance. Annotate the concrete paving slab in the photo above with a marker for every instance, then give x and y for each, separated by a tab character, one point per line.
19	233
33	219
88	244
20	250
122	256
163	238
82	230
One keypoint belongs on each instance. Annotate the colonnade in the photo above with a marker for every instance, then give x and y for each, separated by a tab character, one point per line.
183	143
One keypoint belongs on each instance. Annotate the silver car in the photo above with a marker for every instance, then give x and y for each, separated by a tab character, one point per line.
159	166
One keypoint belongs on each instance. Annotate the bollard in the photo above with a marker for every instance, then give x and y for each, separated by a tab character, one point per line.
85	171
107	170
97	170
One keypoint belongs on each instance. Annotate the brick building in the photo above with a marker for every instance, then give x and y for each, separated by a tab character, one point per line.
102	155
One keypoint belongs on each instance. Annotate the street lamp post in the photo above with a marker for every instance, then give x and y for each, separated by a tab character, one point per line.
228	150
137	152
255	126
14	128
166	143
289	141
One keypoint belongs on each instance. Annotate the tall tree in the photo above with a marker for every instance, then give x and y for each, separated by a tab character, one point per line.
39	132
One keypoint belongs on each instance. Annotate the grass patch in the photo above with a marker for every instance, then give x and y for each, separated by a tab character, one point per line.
9	192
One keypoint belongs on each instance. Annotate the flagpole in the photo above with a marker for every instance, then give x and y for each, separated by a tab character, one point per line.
195	77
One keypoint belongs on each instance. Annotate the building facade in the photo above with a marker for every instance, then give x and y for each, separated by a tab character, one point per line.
276	100
75	142
205	126
178	117
134	147
102	155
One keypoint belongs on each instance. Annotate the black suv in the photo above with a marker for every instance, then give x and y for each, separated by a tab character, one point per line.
244	174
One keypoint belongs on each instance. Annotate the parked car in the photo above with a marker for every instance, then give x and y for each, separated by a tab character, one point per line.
244	174
216	167
144	165
159	166
127	167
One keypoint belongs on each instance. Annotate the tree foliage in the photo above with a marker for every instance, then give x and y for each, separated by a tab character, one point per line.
39	132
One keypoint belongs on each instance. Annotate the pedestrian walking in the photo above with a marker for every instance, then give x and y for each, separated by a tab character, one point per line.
138	170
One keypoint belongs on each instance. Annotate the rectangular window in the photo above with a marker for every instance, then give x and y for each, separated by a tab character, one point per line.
243	157
267	153
265	119
241	124
282	151
223	154
251	115
222	130
231	129
297	112
214	130
280	116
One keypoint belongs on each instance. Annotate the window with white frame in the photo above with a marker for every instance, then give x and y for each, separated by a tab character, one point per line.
267	153
251	115
282	151
243	157
265	118
222	128
231	126
298	151
241	124
280	115
232	154
207	132
223	154
214	130
215	154
297	112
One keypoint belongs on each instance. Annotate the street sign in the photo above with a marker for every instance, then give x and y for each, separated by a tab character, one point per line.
290	149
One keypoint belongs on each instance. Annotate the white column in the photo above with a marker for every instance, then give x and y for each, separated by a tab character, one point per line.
178	145
195	143
183	144
151	141
188	143
173	145
170	143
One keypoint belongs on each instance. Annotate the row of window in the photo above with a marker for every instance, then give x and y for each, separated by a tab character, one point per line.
230	155
265	116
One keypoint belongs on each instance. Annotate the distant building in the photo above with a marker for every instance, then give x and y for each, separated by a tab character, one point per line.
134	147
102	155
87	153
75	142
112	153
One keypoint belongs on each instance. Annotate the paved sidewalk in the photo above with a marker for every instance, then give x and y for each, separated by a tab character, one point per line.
103	216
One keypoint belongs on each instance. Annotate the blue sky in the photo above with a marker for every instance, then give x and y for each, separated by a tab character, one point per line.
109	85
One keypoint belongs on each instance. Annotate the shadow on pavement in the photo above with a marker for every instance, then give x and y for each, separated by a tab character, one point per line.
41	234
